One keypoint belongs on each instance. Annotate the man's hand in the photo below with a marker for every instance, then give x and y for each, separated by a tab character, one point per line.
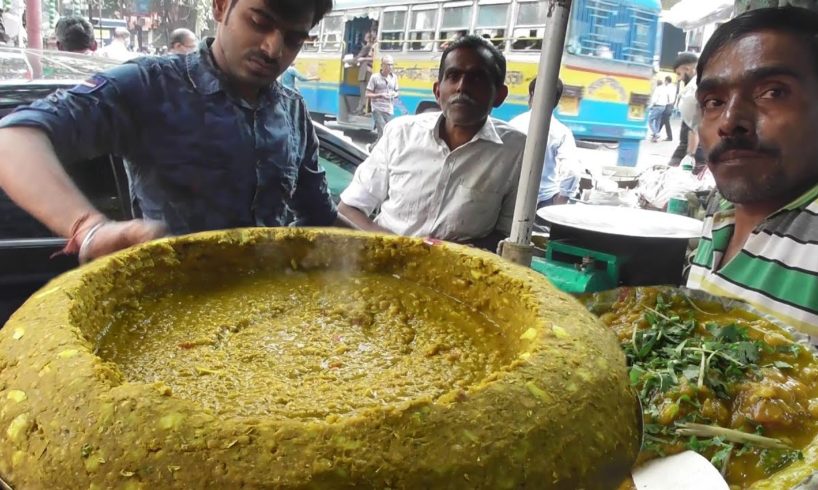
107	237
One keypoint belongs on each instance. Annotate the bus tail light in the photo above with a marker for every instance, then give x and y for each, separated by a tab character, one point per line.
571	96
637	105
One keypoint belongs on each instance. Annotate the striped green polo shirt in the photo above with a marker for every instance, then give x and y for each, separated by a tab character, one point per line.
776	270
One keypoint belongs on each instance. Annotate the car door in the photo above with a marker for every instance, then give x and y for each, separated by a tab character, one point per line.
29	252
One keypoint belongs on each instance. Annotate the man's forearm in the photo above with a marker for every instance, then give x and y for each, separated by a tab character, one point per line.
359	220
341	221
692	142
33	177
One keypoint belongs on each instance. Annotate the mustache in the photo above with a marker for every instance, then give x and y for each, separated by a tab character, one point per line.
263	58
740	143
462	98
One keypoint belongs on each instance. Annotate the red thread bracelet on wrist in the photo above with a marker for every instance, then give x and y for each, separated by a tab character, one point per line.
74	243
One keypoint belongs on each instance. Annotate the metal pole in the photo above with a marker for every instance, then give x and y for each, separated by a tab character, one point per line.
518	246
34	23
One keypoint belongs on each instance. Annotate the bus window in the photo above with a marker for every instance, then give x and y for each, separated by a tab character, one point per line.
613	30
422	24
311	44
454	23
394	23
332	34
491	23
530	26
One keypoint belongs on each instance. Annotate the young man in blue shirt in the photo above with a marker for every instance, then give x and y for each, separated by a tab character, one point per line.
210	140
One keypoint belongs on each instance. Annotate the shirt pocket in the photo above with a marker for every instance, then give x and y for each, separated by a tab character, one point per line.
475	211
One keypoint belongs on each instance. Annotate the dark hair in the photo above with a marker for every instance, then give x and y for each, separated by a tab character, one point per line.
290	9
685	59
557	93
74	34
669	79
179	36
799	22
471	41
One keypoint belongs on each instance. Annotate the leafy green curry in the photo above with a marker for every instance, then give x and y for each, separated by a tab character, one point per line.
726	384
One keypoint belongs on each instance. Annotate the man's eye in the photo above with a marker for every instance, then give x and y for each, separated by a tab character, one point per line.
773	93
711	103
260	22
293	41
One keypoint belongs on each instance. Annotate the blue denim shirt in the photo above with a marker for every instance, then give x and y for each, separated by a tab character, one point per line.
198	157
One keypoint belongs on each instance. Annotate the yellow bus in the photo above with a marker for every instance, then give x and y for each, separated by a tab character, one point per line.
607	65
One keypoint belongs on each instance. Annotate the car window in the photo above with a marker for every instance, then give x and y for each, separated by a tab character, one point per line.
339	172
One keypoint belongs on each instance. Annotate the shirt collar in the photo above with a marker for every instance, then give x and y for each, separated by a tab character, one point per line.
488	132
726	209
202	71
205	76
803	200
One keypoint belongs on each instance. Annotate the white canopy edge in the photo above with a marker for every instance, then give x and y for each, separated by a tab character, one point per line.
690	14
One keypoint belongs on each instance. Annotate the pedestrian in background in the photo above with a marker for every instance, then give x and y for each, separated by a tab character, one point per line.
364	61
655	111
669	100
117	49
289	77
382	91
75	35
688	149
183	41
560	174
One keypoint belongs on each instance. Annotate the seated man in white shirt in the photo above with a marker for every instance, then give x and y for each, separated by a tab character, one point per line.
560	174
451	175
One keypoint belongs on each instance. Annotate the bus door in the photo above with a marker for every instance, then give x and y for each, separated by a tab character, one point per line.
351	113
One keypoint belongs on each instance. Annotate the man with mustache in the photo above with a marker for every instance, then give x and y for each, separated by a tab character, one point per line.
210	140
451	175
758	95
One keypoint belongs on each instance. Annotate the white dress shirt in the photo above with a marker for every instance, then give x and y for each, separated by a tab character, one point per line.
666	95
424	189
118	51
689	105
562	164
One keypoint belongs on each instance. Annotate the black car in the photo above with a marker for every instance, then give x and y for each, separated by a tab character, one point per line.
27	248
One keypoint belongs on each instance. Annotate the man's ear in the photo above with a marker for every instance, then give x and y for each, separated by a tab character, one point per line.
500	97
93	46
436	90
220	10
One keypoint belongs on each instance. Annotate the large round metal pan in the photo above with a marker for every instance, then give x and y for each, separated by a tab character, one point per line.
616	220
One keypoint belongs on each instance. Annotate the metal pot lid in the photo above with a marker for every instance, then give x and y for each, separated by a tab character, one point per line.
623	221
